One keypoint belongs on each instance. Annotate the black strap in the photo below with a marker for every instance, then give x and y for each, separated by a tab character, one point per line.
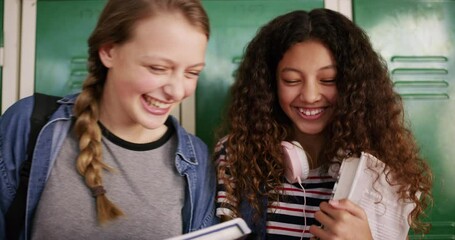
43	108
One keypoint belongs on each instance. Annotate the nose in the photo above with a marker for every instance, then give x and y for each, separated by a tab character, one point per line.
310	92
174	88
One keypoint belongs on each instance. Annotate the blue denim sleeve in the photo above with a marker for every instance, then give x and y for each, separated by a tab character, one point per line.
14	129
207	181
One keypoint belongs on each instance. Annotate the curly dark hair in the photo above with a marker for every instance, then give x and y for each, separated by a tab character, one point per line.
368	116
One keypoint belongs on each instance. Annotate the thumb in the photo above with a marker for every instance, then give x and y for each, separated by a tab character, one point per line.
345	204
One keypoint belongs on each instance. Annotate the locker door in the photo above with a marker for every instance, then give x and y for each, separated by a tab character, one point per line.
417	39
233	25
62	30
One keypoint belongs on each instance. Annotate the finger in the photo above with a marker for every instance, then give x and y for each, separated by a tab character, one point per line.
334	218
329	210
323	218
345	204
326	207
319	233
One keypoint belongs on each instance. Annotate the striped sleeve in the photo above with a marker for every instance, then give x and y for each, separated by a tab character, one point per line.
223	205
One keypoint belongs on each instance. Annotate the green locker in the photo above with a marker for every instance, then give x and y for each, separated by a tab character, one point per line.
417	39
62	30
61	50
233	25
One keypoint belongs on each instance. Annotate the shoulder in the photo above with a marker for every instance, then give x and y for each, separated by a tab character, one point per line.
220	152
18	113
221	144
21	106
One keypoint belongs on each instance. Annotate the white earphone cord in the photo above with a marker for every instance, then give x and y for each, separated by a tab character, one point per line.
304	207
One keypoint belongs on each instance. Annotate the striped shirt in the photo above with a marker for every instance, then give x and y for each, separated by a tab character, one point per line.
291	216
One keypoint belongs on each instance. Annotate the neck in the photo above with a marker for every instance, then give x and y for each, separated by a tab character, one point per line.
312	144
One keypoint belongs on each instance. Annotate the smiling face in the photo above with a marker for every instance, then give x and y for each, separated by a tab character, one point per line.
151	73
307	90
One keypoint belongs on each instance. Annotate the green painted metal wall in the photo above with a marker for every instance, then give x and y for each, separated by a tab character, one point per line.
63	28
417	39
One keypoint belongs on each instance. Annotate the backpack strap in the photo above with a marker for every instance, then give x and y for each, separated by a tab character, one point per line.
43	107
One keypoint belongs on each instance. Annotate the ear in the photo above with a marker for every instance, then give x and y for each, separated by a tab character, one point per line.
105	53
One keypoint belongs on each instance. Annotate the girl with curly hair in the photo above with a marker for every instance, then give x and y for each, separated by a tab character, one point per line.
111	163
314	78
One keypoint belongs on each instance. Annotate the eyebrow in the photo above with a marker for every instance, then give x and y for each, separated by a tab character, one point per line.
291	69
148	58
198	65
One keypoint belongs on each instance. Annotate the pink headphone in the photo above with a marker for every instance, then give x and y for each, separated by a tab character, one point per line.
296	162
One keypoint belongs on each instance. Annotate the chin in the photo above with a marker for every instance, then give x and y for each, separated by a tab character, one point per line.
311	131
154	122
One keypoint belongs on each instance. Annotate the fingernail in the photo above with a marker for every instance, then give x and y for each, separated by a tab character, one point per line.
334	202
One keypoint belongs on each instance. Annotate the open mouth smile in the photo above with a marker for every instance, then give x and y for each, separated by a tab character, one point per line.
311	112
153	102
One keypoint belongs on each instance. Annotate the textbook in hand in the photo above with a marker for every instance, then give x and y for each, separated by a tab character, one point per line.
229	230
387	214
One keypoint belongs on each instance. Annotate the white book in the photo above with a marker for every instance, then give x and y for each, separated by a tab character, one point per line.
229	230
387	214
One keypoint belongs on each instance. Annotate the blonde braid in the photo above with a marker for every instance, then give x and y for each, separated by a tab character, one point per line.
89	162
115	26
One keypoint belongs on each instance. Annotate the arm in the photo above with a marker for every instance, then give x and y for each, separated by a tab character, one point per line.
341	220
14	129
223	206
206	188
210	188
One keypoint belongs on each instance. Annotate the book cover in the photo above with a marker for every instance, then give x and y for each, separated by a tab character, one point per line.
363	181
229	230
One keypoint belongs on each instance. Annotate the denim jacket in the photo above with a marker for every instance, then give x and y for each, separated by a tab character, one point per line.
192	160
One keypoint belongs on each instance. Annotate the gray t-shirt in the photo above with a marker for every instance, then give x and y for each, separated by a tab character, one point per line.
145	185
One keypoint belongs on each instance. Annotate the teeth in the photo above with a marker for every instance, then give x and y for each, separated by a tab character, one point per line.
311	112
155	103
